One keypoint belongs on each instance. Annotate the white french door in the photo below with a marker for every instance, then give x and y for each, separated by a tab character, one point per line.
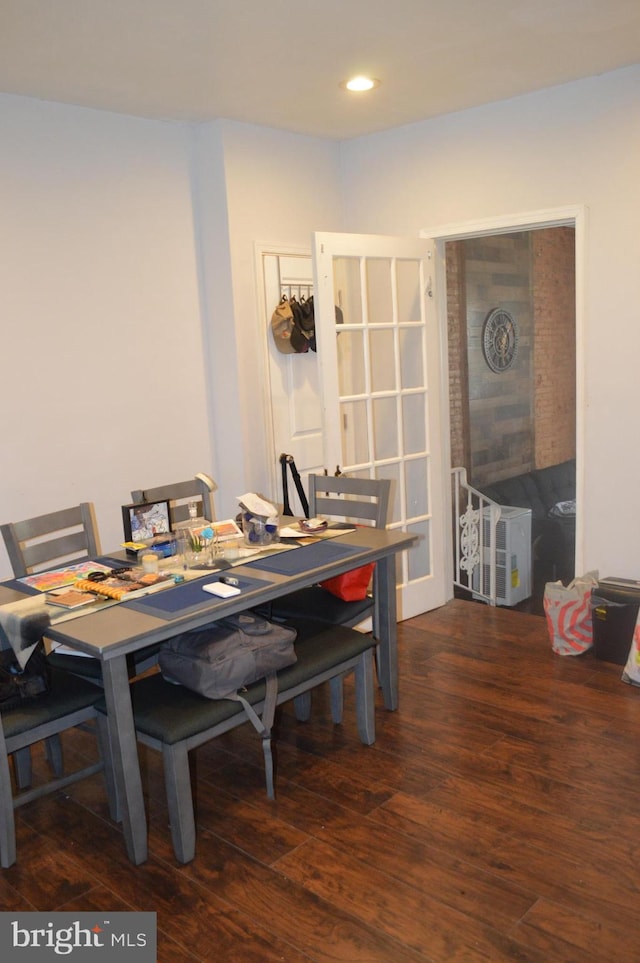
381	391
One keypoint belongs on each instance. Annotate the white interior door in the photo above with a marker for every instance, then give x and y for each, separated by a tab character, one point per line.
380	383
295	403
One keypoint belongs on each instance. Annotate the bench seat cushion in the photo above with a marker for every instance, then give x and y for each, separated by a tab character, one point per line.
315	602
171	713
68	694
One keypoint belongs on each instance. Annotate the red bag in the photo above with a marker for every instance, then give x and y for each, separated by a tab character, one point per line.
351	586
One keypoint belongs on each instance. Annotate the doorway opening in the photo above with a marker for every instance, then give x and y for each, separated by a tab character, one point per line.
511	325
509	421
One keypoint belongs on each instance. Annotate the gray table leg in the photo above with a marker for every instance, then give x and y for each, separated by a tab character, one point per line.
385	622
124	750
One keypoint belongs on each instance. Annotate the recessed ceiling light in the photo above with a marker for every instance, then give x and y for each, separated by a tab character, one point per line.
360	84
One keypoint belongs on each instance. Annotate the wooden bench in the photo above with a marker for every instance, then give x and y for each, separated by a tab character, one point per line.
175	720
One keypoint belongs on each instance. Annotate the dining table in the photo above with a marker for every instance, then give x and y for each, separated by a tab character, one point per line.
113	632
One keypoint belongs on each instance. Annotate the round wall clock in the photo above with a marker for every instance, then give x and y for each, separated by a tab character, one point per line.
499	339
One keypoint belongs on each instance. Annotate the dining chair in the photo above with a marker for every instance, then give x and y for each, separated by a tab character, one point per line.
200	489
70	702
350	499
174	720
69	535
46	541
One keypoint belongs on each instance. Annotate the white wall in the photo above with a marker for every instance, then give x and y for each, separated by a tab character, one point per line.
128	284
573	145
132	331
280	187
103	380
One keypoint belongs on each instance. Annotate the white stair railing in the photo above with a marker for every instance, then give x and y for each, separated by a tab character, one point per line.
475	520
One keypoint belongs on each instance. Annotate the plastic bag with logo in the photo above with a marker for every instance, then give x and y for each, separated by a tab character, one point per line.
568	613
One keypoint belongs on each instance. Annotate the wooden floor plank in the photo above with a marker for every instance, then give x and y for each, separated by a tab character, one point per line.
495	818
555	930
392	905
429	869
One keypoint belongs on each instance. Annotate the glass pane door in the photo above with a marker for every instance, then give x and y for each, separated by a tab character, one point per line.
380	374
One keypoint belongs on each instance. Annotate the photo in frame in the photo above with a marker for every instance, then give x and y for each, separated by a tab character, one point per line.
145	521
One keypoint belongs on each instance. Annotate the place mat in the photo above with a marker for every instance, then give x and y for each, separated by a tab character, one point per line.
188	599
308	556
23	584
18	586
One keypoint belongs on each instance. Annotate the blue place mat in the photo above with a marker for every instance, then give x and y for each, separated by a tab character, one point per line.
185	599
306	557
19	586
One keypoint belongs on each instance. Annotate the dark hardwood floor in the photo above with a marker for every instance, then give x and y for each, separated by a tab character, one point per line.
495	818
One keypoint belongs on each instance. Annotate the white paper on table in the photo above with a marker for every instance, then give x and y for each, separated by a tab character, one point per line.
289	532
257	505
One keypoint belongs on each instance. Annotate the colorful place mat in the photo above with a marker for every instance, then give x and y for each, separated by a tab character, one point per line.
308	556
53	578
45	581
185	599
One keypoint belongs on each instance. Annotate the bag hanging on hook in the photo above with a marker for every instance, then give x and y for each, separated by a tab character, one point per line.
293	325
304	316
304	319
288	336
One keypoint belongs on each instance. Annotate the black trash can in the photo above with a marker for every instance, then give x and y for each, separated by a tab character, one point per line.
614	610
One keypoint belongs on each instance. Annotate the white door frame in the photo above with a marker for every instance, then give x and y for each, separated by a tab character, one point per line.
505	224
264	313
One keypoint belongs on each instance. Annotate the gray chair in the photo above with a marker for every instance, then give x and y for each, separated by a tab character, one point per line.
174	720
47	541
70	702
199	489
352	499
31	547
357	500
68	535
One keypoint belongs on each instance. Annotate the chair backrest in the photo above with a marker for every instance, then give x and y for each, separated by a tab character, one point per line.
344	496
199	489
69	535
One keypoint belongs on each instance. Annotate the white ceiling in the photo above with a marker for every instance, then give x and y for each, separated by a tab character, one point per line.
279	62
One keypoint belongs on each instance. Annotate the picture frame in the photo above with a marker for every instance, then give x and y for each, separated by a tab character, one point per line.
226	529
146	521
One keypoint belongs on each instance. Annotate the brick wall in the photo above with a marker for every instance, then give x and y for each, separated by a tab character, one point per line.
553	288
458	368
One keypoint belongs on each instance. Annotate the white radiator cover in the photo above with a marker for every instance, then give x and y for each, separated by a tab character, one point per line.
513	557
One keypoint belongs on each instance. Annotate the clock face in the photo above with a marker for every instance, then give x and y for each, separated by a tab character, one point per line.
499	339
